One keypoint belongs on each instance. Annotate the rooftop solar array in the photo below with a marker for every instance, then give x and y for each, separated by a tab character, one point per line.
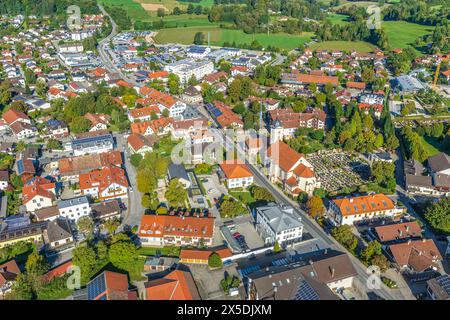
249	270
280	262
444	281
213	110
96	287
306	292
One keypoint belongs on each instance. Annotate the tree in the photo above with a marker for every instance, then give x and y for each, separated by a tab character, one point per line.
343	234
21	289
160	12
36	266
162	210
315	206
111	225
80	124
174	84
135	159
86	259
438	215
199	38
373	248
85	225
276	247
54	144
260	193
176	194
230	208
214	261
165	113
380	261
123	255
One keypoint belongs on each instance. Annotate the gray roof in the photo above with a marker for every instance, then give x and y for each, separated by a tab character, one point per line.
279	220
442	181
58	230
413	167
420	181
440	287
3	206
105	208
439	162
72	202
177	171
408	83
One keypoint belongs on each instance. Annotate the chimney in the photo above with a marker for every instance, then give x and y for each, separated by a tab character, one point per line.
424	240
325	251
351	200
332	271
409	241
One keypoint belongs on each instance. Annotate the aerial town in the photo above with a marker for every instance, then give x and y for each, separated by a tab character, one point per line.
272	157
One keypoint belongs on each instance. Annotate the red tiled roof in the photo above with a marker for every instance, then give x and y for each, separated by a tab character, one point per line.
177	285
103	178
38	187
13	115
419	255
144	112
356	85
283	155
364	204
158	74
398	231
235	170
137	141
204	254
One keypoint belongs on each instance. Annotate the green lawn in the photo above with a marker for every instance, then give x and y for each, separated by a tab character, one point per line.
336	18
219	36
133	9
165	251
359	46
432	145
402	34
184	20
244	196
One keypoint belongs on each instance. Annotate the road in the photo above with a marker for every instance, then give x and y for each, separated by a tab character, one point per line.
103	48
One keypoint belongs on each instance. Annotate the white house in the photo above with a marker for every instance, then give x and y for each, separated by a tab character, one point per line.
237	175
75	208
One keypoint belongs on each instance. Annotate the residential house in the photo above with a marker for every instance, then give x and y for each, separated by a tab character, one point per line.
201	256
38	193
107	183
161	126
140	144
74	209
56	129
98	121
163	101
110	286
95	144
4	179
105	210
397	232
143	114
8	274
355	209
17	228
58	235
177	285
161	230
416	256
439	288
237	175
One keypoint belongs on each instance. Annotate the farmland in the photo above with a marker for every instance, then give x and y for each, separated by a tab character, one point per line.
359	46
402	34
219	36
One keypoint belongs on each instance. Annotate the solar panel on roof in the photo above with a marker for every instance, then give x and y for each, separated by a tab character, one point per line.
444	281
96	287
306	292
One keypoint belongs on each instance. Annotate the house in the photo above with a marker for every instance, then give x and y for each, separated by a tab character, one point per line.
95	144
69	169
291	169
446	74
161	126
237	175
25	169
416	255
8	274
98	121
13	116
354	209
17	228
160	230
315	278
177	285
56	129
47	214
284	122
439	164
105	210
58	234
197	256
298	79
398	231
163	101
178	171
74	209
107	183
23	130
408	84
197	52
140	144
158	75
224	115
278	224
439	288
4	179
192	95
110	286
359	86
38	193
154	263
143	114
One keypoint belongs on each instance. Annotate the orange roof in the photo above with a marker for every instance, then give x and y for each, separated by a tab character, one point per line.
311	78
103	178
54	91
98	118
177	285
235	170
303	171
156	125
137	141
167	225
364	204
89	162
419	255
37	187
122	83
356	85
13	115
398	231
58	271
283	155
157	97
204	254
158	74
446	73
144	112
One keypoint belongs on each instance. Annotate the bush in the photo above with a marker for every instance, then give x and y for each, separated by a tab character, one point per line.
389	283
214	261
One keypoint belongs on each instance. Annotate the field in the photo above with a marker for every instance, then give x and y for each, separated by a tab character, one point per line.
185	20
168	4
336	18
219	36
359	46
402	34
133	9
